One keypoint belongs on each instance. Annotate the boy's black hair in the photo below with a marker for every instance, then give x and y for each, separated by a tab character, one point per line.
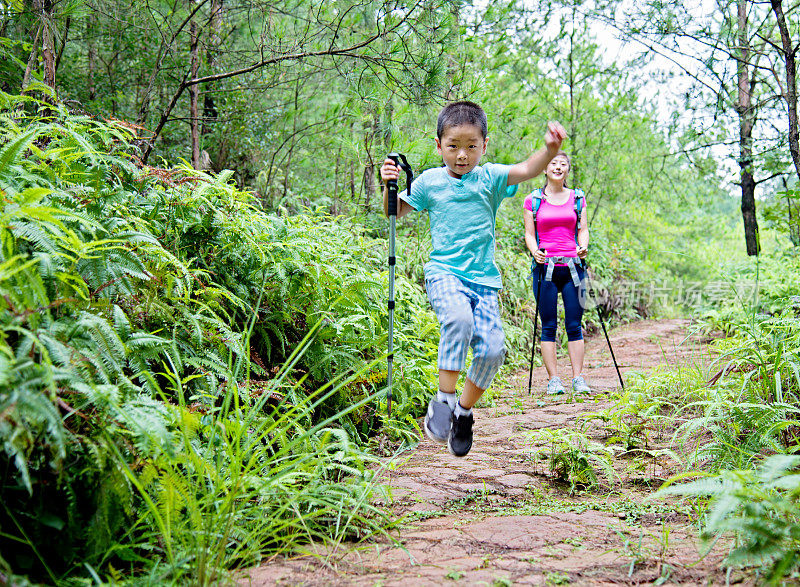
458	113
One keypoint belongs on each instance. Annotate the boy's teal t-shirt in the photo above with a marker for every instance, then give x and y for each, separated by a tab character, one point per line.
462	214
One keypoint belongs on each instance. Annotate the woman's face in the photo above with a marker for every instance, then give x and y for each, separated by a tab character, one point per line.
558	169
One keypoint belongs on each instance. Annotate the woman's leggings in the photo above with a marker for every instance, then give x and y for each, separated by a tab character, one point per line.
574	301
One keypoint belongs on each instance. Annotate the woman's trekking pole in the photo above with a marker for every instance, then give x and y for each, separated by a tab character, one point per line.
535	326
391	188
590	291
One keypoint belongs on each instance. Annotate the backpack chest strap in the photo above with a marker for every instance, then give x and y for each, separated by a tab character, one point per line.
571	262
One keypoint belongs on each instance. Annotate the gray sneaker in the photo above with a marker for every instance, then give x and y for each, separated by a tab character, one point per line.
554	386
438	421
579	385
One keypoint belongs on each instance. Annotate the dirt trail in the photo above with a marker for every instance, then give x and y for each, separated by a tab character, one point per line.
497	518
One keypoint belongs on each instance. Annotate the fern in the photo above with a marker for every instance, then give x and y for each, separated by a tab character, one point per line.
200	368
761	508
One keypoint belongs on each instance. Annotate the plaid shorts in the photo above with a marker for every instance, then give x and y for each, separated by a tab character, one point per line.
469	316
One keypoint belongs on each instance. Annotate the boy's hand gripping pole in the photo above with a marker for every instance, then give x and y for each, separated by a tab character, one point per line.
391	187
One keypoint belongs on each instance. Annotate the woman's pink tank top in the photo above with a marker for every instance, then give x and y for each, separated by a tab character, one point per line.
555	226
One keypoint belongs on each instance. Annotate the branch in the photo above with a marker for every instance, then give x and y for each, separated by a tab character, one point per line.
773	176
162	51
351	51
346	52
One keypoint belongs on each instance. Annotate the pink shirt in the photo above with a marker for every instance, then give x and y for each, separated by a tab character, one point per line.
555	226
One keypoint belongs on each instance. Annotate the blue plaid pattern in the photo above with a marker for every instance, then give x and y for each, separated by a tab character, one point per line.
469	316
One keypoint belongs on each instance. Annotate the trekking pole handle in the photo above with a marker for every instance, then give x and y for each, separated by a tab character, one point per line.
391	185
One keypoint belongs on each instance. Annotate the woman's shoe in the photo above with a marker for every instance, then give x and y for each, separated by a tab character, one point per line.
579	385
554	386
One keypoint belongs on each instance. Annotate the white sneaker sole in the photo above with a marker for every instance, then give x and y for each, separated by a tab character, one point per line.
431	435
452	452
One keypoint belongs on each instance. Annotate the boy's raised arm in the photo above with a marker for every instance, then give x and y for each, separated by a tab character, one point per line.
537	162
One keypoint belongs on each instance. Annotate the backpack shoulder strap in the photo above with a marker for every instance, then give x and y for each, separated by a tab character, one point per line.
580	201
536	201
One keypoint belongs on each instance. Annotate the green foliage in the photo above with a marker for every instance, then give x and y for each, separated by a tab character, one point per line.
186	381
751	408
773	276
760	508
737	424
782	213
150	385
728	415
632	419
573	457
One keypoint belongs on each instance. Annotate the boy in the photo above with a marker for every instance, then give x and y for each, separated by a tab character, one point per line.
461	277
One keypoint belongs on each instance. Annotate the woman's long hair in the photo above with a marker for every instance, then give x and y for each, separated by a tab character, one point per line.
569	163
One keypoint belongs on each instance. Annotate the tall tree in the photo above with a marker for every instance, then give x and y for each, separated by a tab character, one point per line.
324	36
44	9
215	40
193	96
744	109
789	55
725	55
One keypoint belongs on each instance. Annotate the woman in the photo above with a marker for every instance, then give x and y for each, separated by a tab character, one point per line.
558	241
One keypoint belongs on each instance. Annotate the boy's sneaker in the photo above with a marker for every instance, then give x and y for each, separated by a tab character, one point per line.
554	386
579	385
438	421
460	440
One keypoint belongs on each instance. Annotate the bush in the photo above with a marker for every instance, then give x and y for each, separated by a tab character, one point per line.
760	508
185	381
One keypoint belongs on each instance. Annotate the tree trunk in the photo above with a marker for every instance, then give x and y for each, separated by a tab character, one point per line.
746	121
32	59
387	132
288	167
63	42
48	43
210	113
370	133
352	183
91	56
165	48
193	91
791	83
335	202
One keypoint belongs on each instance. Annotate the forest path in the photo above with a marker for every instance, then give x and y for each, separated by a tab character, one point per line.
497	518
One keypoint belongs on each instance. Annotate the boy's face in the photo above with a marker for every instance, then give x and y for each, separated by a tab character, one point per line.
461	148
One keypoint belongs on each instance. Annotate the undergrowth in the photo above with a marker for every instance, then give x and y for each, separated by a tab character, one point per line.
734	422
187	384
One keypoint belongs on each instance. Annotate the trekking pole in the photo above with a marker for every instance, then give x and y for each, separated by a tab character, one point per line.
535	326
391	187
590	291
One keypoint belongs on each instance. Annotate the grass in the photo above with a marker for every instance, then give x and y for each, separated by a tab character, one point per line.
539	503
